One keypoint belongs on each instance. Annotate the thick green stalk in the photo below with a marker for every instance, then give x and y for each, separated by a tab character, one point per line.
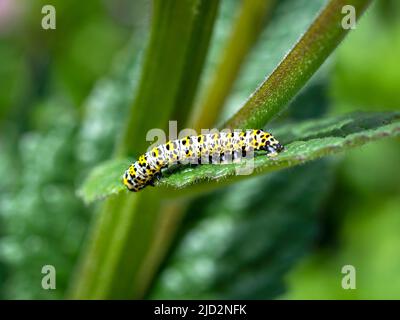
121	242
203	26
323	36
166	68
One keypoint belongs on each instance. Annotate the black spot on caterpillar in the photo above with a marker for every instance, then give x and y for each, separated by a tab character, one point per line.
195	149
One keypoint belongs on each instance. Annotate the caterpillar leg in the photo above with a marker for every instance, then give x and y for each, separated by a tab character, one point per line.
228	157
236	157
157	177
194	165
215	158
170	170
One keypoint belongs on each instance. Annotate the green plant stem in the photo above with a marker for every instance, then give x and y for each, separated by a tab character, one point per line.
325	33
202	26
245	31
166	67
120	258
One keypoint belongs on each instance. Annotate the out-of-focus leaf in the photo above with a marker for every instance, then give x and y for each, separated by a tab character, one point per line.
354	81
366	239
279	229
42	221
251	236
108	104
12	79
303	142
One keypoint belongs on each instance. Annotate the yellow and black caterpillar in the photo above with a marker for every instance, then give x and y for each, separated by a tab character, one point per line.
201	149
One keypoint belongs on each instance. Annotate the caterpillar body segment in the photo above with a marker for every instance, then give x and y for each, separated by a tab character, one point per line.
201	149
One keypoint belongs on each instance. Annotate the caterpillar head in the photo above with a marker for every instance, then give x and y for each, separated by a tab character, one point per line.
272	146
127	181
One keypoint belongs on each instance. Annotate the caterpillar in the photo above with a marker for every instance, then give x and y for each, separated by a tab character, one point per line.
206	148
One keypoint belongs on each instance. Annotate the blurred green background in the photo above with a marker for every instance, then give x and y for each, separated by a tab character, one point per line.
63	94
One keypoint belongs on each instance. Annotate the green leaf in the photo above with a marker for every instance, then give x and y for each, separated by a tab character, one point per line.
102	180
304	141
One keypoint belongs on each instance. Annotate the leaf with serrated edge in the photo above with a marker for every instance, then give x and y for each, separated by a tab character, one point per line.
303	142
